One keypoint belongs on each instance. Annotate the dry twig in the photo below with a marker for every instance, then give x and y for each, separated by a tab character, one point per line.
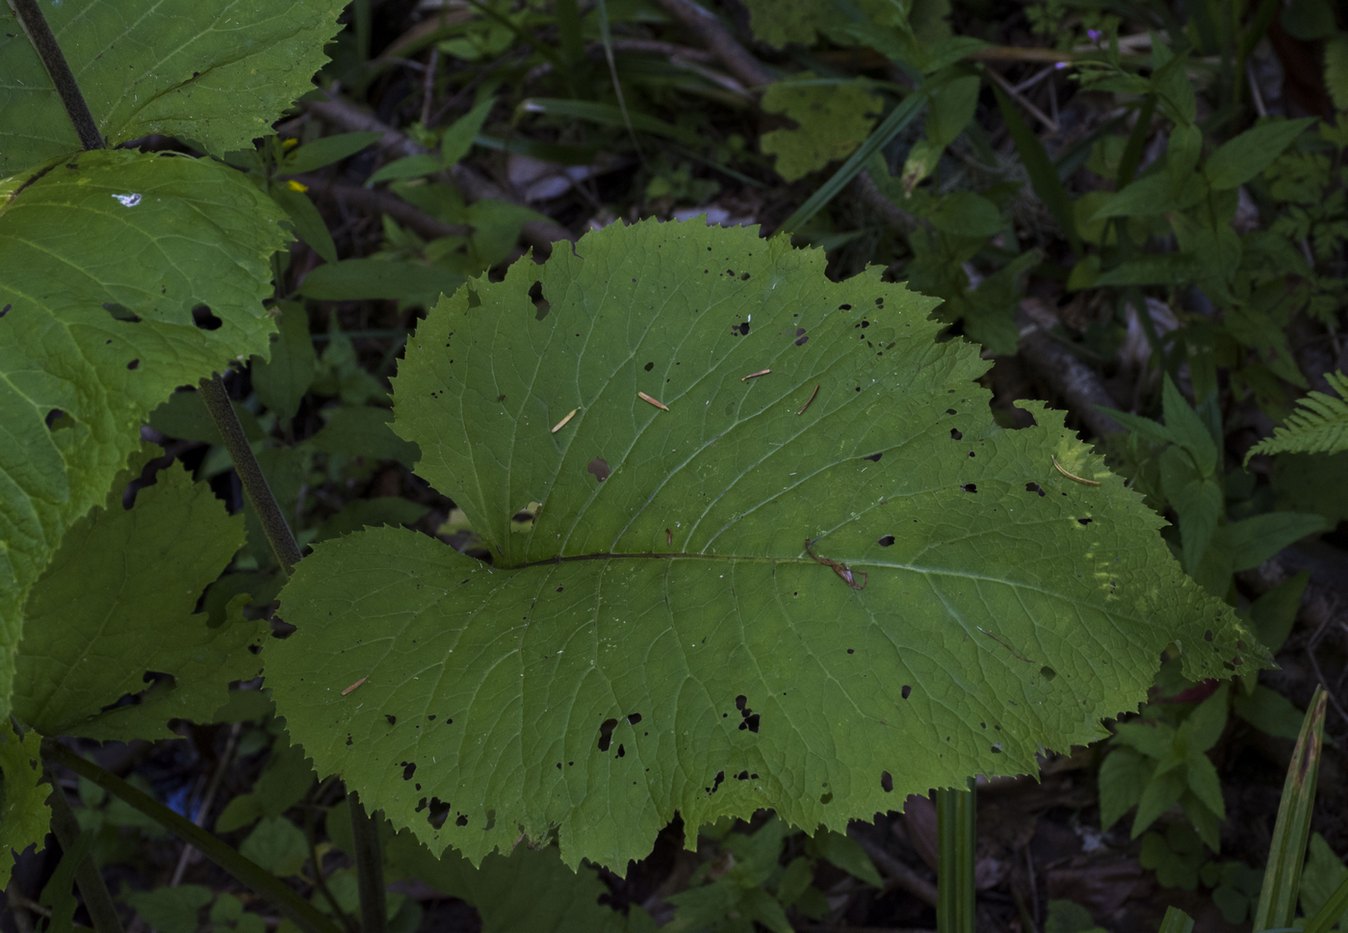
540	234
736	58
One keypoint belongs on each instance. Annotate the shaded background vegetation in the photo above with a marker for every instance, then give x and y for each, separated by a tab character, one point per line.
1052	171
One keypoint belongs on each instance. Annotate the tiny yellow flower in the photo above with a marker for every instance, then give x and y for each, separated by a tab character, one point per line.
294	185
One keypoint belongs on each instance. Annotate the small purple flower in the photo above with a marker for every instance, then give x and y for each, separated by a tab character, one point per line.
1094	35
1059	66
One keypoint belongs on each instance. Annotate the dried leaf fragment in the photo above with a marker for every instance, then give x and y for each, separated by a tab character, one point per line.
1072	476
809	401
565	418
652	401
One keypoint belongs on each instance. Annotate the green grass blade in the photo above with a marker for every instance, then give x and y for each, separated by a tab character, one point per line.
891	126
570	38
1137	141
1175	921
606	36
606	115
1282	877
955	872
1043	175
1330	912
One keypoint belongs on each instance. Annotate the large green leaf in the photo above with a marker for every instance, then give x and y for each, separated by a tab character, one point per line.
217	74
116	605
656	638
126	275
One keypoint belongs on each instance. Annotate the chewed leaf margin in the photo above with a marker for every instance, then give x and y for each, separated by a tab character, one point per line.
814	590
127	276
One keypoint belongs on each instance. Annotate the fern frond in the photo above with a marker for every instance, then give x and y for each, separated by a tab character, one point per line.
1319	425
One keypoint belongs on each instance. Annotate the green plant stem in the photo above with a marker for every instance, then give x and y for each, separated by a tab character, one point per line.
97	900
320	881
955	865
245	871
571	41
29	14
282	540
369	868
255	487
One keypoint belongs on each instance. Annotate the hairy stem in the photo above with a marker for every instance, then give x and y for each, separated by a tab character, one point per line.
53	59
369	868
255	486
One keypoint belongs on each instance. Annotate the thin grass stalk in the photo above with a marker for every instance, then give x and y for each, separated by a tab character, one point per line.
571	40
97	899
1043	173
1331	912
1287	852
895	123
247	872
1175	921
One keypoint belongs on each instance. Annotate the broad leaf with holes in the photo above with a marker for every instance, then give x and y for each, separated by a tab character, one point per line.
756	541
116	607
126	276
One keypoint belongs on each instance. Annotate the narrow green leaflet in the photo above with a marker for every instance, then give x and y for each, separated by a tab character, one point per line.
1336	70
1242	158
215	74
116	605
1319	425
126	276
757	543
24	816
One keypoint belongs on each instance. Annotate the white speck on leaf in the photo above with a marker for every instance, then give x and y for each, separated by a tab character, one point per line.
128	200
